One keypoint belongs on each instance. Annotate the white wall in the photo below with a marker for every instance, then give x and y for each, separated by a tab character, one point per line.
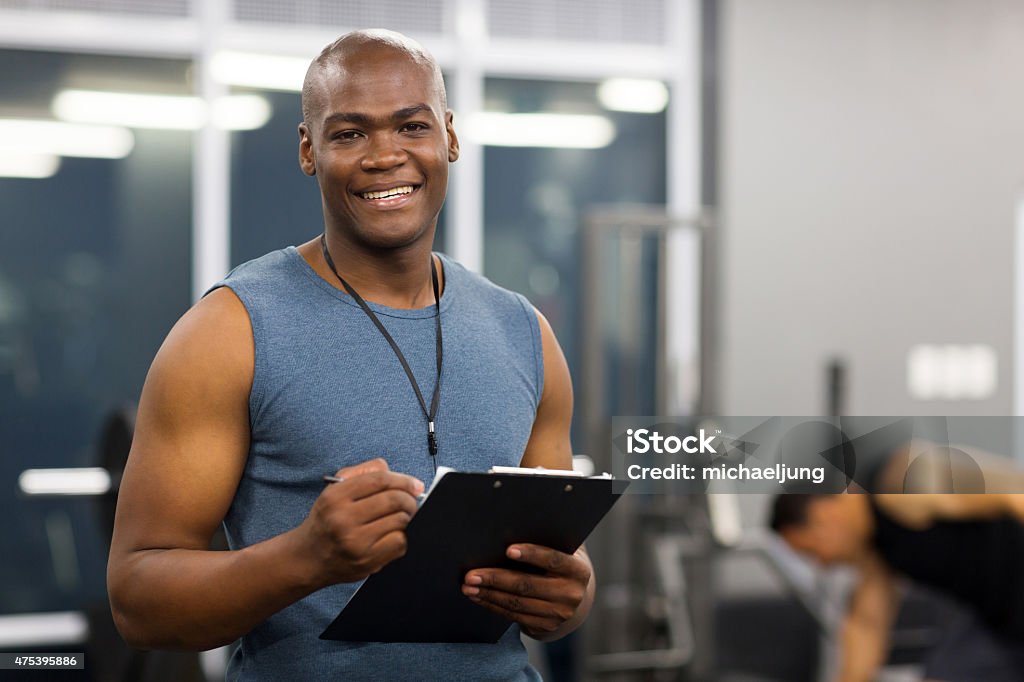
872	159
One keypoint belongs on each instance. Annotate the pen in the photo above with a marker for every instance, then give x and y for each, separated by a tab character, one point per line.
338	479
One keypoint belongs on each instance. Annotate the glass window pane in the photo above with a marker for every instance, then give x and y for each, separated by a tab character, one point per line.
94	270
536	197
273	203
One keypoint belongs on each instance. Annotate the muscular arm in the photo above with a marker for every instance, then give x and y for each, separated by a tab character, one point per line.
935	469
167	590
865	635
921	510
550	606
549	445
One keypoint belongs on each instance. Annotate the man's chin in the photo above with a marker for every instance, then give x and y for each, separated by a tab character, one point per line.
377	232
389	239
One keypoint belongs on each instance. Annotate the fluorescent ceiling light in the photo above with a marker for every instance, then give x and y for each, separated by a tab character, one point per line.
31	136
265	71
567	131
240	112
20	165
165	112
83	481
629	94
43	629
127	109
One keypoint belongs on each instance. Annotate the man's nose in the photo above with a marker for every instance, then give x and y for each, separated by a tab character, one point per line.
383	154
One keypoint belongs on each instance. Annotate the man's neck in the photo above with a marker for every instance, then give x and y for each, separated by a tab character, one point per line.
396	278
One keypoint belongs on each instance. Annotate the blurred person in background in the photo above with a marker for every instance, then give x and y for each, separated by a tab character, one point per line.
277	377
969	547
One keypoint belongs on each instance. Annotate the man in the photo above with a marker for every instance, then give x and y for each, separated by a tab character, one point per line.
968	547
323	359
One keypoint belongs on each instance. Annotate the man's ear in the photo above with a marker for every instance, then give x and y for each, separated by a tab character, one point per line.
453	139
306	160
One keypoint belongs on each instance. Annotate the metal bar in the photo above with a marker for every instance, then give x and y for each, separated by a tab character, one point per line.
685	309
99	33
211	169
602	227
562	60
708	403
1018	331
628	319
591	385
668	552
663	367
466	227
643	216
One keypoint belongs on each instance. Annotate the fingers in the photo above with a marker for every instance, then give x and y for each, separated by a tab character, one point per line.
381	504
356	548
551	560
389	547
531	624
376	545
523	606
522	585
366	467
541	604
385	541
373	482
357	525
376	504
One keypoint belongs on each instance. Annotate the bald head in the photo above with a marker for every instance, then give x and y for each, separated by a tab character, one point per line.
334	62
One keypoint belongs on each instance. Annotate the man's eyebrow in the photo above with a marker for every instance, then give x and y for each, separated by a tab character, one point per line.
366	119
347	117
409	112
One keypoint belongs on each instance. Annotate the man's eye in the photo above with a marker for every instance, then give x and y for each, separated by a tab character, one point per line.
346	135
414	127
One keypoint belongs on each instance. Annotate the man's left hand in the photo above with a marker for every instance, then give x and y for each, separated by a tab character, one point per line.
542	604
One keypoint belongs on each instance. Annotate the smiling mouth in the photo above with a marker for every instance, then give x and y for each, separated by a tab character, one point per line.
392	193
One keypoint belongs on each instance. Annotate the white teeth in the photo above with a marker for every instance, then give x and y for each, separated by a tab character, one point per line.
388	193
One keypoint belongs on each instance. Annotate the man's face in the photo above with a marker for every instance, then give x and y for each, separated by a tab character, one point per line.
830	536
380	147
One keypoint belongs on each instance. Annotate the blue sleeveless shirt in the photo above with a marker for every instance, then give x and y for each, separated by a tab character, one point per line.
328	392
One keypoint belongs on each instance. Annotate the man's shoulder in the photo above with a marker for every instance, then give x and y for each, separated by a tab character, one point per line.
258	282
213	338
266	266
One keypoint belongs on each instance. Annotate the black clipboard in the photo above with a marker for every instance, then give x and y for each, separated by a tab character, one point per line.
468	521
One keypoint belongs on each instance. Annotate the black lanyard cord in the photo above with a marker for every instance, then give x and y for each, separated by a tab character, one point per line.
436	398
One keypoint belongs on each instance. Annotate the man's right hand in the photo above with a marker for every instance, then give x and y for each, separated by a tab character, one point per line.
358	525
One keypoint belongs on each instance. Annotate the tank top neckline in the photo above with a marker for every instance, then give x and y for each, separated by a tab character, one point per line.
450	287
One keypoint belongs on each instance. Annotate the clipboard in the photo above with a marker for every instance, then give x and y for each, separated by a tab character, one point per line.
467	521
